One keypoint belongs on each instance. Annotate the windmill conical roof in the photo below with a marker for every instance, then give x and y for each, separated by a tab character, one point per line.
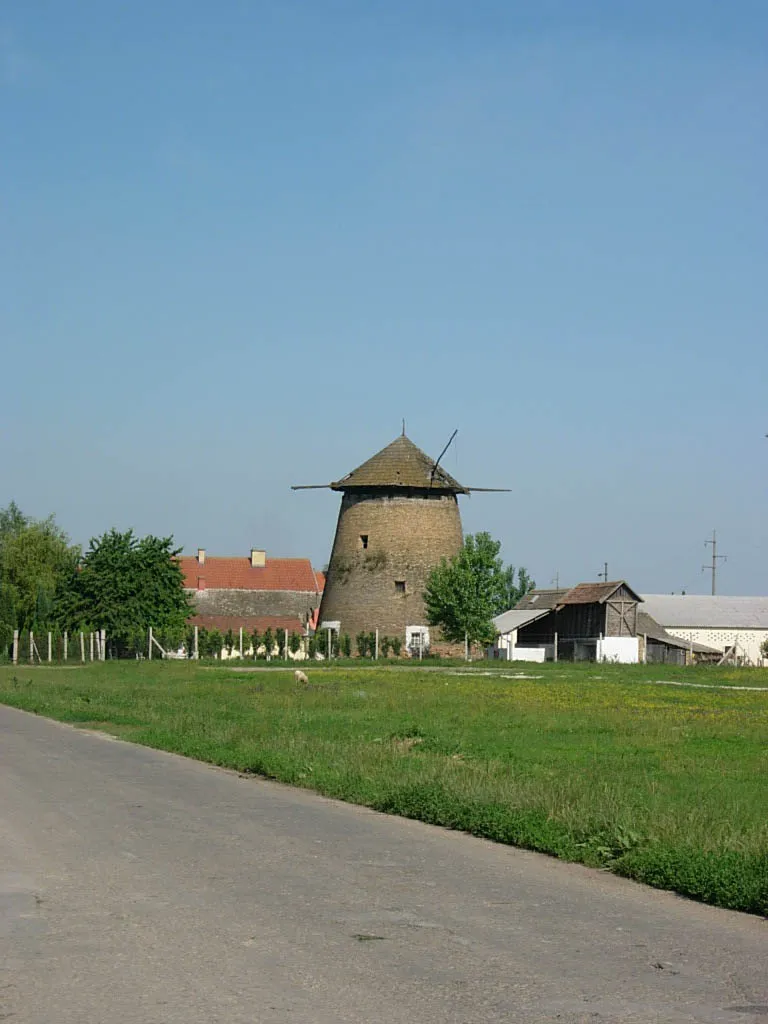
400	464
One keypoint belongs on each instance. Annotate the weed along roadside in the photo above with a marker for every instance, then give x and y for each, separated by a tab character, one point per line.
665	784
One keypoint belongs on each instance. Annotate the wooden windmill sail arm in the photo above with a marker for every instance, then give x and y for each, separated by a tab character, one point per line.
491	490
310	487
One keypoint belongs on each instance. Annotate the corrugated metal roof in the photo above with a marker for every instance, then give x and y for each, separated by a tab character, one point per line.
400	464
515	619
704	611
648	626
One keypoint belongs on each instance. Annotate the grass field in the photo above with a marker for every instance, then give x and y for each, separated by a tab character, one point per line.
605	765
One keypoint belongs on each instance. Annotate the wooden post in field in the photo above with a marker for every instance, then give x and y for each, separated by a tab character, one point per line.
103	645
15	647
329	645
149	655
556	651
645	648
466	646
82	645
50	646
376	649
285	638
66	644
241	643
90	638
31	648
197	646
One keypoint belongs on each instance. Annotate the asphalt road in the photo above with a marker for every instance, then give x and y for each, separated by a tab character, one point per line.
139	886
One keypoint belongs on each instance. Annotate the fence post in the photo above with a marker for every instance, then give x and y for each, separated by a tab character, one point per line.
149	655
31	648
241	643
15	647
376	649
103	644
645	648
50	650
66	641
329	645
197	647
90	639
82	645
556	651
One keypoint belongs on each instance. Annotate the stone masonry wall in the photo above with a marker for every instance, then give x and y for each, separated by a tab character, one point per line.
408	534
254	602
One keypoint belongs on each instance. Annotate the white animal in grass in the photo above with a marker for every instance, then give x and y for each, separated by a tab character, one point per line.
300	677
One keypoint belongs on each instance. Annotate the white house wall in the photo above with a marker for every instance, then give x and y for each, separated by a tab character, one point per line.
747	640
623	649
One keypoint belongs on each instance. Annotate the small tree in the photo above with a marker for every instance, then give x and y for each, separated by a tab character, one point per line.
215	643
384	646
361	643
346	645
269	642
463	594
294	643
764	648
312	646
229	641
397	645
372	645
255	642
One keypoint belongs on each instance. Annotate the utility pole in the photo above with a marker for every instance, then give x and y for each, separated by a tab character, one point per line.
715	556
604	574
556	579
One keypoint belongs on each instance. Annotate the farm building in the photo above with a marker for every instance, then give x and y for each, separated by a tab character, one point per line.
592	621
734	626
228	592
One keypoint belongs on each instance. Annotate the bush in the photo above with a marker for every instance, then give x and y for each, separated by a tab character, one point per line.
397	646
346	645
361	643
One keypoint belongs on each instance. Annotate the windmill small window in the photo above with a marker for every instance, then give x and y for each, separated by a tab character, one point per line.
364	541
400	586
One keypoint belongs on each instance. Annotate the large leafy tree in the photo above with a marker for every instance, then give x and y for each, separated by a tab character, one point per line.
517	583
464	593
37	564
127	584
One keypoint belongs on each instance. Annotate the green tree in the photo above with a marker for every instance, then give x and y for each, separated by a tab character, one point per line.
516	584
255	642
294	643
346	645
397	645
125	585
462	594
37	566
384	646
229	641
269	642
361	643
215	643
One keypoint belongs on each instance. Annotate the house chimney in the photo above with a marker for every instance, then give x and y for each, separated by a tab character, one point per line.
201	556
258	558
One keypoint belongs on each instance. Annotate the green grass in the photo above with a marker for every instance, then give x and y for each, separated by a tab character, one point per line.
591	763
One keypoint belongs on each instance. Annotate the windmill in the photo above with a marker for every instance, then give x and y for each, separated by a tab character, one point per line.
399	518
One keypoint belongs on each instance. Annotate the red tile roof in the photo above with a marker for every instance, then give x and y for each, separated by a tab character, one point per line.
248	622
295	574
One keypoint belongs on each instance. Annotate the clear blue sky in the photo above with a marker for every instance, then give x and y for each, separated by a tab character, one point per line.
240	241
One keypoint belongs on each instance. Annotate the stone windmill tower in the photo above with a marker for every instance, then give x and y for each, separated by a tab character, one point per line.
399	517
